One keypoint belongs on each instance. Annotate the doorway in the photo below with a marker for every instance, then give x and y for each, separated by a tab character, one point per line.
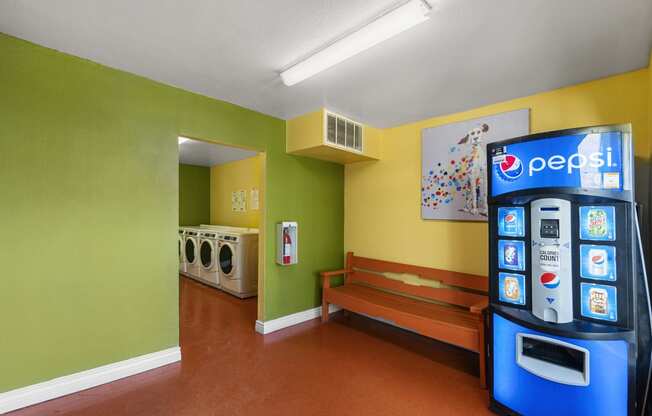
222	218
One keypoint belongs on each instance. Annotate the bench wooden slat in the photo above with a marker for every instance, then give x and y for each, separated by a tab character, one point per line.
451	296
465	280
433	311
456	333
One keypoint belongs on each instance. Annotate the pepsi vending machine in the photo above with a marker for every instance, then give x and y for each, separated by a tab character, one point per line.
569	315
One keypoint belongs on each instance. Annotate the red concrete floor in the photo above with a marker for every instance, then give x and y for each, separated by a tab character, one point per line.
350	366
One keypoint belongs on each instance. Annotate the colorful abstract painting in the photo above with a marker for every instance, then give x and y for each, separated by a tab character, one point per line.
454	160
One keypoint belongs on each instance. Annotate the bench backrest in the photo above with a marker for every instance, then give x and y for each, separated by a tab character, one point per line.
369	271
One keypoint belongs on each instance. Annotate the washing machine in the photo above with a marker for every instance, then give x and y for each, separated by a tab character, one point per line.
191	251
238	263
182	246
209	271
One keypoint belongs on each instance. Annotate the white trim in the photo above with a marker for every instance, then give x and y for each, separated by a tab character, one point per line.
61	386
267	327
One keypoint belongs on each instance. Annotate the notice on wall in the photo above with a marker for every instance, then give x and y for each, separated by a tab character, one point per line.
255	199
239	201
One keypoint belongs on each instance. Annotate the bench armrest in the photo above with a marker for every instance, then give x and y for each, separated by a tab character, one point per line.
479	307
326	276
333	273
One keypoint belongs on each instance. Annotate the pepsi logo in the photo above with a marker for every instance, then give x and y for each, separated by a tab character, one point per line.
509	218
550	280
510	168
598	259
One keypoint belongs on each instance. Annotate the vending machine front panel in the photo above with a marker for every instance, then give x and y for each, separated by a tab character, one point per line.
542	374
552	271
604	258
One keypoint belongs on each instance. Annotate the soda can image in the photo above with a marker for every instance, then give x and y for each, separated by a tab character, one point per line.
598	298
511	288
598	223
511	255
598	262
511	221
599	302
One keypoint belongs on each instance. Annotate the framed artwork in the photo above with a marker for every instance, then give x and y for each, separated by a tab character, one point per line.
454	164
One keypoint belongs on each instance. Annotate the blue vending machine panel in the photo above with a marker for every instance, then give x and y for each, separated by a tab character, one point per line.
590	161
511	255
599	302
511	222
568	302
511	288
598	262
598	223
589	378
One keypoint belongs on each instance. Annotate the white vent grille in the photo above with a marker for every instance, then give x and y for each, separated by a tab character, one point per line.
343	132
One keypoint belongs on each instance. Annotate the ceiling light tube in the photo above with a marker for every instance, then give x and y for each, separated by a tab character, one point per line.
384	27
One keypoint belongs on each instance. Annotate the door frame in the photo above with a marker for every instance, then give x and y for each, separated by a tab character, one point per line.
262	227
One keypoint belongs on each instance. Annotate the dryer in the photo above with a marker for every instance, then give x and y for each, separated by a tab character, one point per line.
191	251
182	246
209	271
238	263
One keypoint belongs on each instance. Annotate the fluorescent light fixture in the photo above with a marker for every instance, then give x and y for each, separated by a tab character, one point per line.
387	25
183	139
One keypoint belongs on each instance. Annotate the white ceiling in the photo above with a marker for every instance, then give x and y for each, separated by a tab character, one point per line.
470	53
198	153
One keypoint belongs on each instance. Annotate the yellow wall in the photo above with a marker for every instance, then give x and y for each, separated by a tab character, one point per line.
234	176
382	209
304	131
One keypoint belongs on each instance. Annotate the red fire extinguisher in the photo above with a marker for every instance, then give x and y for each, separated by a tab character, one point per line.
287	247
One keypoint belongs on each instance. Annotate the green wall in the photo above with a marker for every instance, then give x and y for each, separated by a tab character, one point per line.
89	184
194	195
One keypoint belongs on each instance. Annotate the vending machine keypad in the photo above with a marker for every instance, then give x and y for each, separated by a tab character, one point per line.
549	228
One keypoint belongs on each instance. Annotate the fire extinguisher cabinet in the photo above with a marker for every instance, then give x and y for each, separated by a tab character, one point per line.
287	243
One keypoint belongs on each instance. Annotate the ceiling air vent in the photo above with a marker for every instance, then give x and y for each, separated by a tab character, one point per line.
342	132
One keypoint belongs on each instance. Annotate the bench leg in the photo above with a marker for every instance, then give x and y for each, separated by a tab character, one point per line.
324	311
482	352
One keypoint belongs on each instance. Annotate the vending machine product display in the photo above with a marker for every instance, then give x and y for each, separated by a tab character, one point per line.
569	330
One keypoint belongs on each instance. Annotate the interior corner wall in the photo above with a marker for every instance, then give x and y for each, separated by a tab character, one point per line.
382	199
194	195
89	183
648	211
246	175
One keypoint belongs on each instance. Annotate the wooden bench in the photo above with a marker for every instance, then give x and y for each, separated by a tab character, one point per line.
455	317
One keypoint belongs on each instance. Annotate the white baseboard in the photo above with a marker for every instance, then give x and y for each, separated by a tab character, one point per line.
267	327
62	386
